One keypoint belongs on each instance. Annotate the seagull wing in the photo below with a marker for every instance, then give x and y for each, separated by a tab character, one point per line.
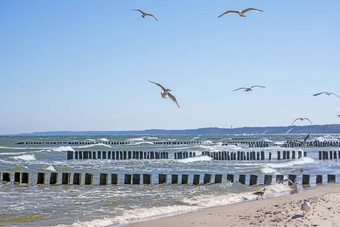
334	94
151	16
258	86
319	93
240	88
139	11
173	99
308	120
229	11
296	120
251	9
157	85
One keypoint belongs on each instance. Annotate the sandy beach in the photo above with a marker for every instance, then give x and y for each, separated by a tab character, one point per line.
278	211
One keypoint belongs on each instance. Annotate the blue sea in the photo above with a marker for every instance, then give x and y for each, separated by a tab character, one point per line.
111	205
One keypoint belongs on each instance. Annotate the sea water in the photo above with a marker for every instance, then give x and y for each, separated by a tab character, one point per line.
94	205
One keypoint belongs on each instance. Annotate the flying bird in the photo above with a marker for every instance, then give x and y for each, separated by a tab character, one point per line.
259	193
338	115
166	92
305	206
246	89
241	12
145	14
327	93
301	119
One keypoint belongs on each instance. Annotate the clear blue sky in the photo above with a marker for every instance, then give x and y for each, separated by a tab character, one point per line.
85	65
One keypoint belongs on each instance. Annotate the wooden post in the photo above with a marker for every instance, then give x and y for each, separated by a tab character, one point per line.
268	179
320	155
174	179
331	178
127	179
207	178
242	179
330	155
76	154
162	179
54	178
103	179
253	180
230	178
270	155
94	155
88	178
218	178
319	179
99	155
41	178
146	178
262	155
288	155
69	155
6	177
114	178
80	155
279	178
136	179
17	177
196	179
292	177
305	179
65	178
185	178
305	154
299	154
278	155
77	178
24	178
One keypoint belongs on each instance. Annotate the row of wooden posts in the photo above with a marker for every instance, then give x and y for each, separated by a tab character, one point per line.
249	143
329	155
23	177
216	155
314	143
104	142
252	155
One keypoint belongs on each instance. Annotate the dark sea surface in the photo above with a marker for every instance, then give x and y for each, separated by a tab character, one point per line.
97	205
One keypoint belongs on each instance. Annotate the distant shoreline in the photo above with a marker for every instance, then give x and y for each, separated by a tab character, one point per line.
273	130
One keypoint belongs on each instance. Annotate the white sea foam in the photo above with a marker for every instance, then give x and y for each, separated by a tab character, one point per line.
136	139
50	168
103	139
195	159
93	145
26	157
268	170
151	137
301	161
62	148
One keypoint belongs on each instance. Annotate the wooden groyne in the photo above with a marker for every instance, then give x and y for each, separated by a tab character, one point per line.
65	178
216	155
313	143
106	142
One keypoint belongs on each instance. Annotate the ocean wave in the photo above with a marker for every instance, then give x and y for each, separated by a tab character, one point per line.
25	157
301	161
62	148
268	170
151	137
104	140
195	159
93	145
136	139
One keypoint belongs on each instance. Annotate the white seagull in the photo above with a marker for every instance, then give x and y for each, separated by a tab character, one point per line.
301	119
241	12
327	93
145	14
305	206
166	92
249	88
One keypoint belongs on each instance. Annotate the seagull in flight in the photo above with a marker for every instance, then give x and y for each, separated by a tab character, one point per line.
241	12
166	92
249	88
327	93
301	119
145	14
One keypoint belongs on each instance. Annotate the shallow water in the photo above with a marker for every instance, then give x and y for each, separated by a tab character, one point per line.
118	204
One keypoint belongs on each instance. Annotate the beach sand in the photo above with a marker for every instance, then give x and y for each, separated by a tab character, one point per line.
277	211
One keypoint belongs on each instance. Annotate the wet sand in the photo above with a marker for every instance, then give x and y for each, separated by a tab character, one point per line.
278	211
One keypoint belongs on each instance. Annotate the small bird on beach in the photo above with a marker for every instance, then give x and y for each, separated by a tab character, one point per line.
166	92
259	193
327	93
241	12
305	206
301	119
246	89
145	14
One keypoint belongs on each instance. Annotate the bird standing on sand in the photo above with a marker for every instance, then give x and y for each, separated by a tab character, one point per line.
327	93
145	14
246	89
166	92
305	206
241	12
301	119
259	193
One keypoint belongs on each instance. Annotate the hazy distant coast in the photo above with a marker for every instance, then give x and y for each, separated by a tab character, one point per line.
332	128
